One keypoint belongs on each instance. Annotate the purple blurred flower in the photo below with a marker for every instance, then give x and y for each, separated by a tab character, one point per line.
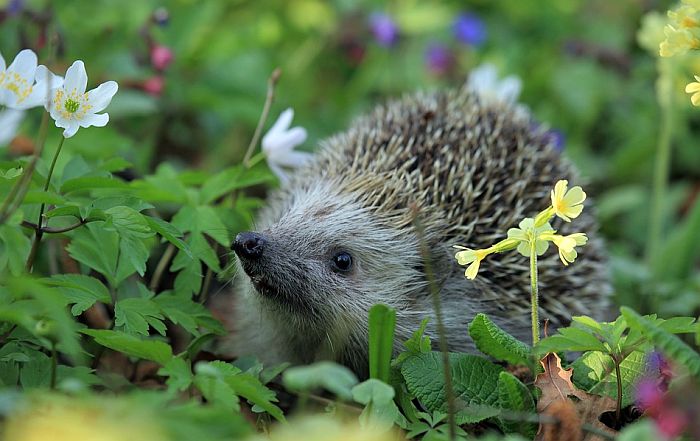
161	16
384	29
438	58
14	7
469	29
648	395
557	138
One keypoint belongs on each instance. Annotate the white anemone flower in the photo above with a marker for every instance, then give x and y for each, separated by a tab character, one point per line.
18	89
9	123
71	107
278	145
484	81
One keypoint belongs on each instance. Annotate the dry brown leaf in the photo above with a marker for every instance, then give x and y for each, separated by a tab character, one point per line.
555	384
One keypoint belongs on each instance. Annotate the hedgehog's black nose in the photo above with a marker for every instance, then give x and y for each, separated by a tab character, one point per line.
248	245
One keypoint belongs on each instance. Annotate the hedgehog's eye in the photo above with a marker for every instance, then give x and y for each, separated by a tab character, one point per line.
342	262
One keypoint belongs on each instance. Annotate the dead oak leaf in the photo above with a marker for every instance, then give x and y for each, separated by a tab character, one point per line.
555	384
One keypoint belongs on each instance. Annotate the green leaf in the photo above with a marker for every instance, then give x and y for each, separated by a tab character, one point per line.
43	197
595	372
571	339
672	346
494	341
179	374
91	183
475	382
133	346
136	314
321	375
14	249
232	179
380	411
418	343
82	291
188	314
250	388
644	429
168	232
382	321
210	379
69	210
514	395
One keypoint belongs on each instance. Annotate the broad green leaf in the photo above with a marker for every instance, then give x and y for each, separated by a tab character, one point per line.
382	321
644	429
514	395
418	343
595	372
136	314
672	346
128	221
188	314
69	210
321	375
570	339
231	179
494	341
42	197
133	346
91	183
115	164
83	291
380	411
475	382
14	249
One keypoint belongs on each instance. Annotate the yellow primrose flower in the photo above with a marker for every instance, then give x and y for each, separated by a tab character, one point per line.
678	41
529	232
567	204
694	88
566	245
684	16
472	258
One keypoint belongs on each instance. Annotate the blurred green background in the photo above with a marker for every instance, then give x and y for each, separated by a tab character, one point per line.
584	74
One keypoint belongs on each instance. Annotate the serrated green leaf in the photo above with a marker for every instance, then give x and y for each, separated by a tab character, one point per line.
382	321
514	395
168	232
131	345
672	346
14	249
321	375
136	314
475	382
179	374
83	291
595	372
494	341
250	388
188	314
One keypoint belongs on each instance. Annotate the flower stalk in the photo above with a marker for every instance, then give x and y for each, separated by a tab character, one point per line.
534	295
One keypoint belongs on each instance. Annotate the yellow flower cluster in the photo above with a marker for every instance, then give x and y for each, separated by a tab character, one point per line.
536	233
683	34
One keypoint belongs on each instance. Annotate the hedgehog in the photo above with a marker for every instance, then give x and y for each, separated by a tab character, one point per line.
342	235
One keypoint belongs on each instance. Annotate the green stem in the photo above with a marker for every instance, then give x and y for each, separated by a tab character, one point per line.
54	363
662	164
534	294
39	230
160	268
618	407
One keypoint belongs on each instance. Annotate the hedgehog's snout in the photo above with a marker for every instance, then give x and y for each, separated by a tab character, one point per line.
249	245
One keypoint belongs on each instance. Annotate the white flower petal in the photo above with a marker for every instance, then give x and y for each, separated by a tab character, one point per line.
24	65
285	141
43	74
97	120
76	78
277	170
292	159
483	77
509	89
73	127
10	120
100	97
3	65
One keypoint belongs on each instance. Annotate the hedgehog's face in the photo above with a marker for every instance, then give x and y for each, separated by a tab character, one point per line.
322	259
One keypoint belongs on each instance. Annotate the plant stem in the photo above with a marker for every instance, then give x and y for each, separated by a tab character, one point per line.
39	230
618	408
160	268
34	226
54	363
663	160
442	341
534	294
271	82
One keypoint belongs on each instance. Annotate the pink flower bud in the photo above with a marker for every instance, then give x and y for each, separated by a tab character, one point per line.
154	85
161	57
